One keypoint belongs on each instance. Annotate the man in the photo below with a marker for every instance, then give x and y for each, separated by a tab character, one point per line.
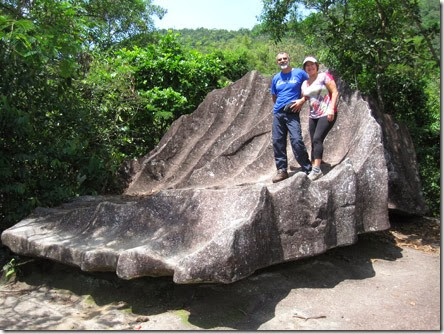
286	94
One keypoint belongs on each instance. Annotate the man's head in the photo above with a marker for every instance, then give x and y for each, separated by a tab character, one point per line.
283	60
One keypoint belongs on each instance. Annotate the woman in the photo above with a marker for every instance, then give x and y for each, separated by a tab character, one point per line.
320	89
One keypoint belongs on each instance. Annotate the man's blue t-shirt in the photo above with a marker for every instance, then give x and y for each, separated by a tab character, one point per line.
287	87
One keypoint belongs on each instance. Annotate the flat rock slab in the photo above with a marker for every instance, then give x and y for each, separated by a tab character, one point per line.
201	206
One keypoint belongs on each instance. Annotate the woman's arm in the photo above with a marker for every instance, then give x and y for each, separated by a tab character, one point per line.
333	90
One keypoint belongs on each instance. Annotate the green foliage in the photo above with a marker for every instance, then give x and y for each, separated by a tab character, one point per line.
116	21
138	93
26	93
8	271
92	24
243	50
427	143
11	269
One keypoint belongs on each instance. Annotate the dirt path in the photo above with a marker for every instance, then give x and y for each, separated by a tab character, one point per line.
387	281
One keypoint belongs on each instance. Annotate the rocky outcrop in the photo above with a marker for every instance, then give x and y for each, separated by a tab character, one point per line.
201	206
405	194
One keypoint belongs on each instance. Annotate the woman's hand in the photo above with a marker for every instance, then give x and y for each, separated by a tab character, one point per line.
297	105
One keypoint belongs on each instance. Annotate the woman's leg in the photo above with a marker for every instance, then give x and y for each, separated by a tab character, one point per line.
323	126
312	122
319	129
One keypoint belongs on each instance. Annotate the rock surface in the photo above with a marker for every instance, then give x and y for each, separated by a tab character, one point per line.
201	206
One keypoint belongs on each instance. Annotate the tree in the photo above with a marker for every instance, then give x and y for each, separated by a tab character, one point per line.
101	23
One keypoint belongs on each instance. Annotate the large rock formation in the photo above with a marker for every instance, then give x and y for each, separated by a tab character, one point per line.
201	206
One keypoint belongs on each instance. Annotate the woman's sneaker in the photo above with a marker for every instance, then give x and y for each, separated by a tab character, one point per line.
315	175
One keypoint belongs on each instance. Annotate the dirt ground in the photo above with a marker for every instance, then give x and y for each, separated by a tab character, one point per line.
387	281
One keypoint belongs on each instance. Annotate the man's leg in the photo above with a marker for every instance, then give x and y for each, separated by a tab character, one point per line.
297	144
279	134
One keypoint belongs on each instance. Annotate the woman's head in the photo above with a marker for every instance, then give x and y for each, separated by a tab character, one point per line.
310	60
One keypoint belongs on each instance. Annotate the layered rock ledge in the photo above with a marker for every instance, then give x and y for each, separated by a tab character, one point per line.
201	206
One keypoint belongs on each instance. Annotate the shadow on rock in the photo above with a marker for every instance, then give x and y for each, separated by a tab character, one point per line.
243	305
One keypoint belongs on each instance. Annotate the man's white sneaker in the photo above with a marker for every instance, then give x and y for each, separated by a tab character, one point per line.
314	176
